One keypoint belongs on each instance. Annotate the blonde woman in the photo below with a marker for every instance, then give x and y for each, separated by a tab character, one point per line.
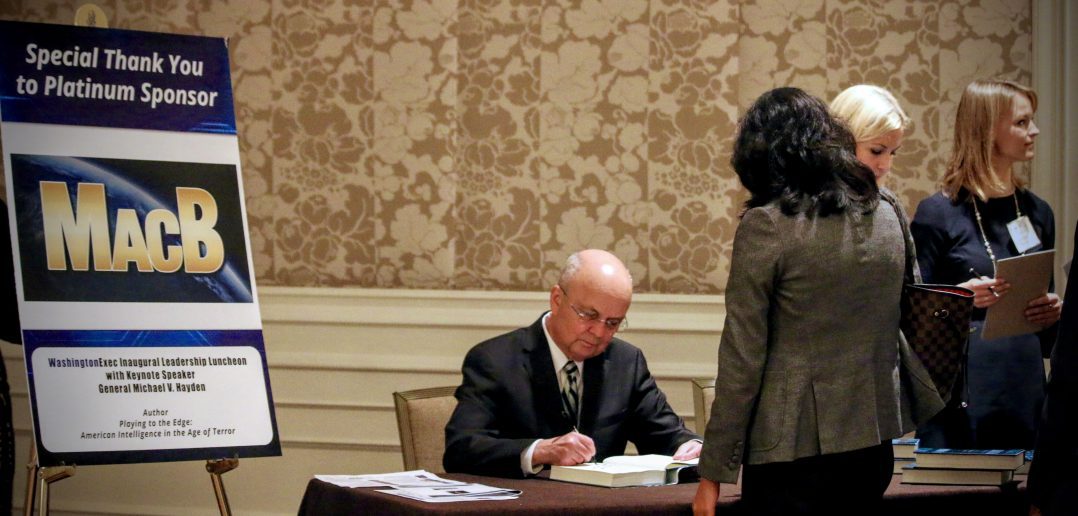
985	213
877	122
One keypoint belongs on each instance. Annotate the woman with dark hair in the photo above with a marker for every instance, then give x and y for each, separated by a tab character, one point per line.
807	394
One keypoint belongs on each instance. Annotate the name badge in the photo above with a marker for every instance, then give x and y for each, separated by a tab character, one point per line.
1022	234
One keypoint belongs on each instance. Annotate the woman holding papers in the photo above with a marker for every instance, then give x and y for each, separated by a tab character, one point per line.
984	214
877	122
807	390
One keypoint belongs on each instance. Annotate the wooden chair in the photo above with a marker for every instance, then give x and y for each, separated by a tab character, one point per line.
703	393
421	418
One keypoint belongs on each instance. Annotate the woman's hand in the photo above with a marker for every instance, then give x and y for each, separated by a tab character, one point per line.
1045	310
707	496
986	291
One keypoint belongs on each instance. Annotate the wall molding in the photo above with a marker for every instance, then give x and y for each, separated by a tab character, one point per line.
313	361
655	320
468	308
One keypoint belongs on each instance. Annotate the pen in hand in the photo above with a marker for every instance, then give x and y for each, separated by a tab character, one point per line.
590	460
973	272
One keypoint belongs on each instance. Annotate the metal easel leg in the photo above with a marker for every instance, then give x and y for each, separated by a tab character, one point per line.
38	480
47	476
31	482
216	468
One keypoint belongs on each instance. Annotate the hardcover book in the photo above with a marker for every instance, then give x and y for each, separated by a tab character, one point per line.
901	463
969	459
1024	468
627	470
904	448
917	474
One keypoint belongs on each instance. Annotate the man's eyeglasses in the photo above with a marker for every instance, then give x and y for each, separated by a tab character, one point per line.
591	316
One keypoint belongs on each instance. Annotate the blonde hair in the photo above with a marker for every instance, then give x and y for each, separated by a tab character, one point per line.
981	106
869	111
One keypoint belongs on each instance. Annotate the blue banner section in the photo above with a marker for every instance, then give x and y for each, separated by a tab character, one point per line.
117	230
59	74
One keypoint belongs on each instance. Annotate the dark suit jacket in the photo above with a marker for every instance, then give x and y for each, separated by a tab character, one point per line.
510	397
1057	439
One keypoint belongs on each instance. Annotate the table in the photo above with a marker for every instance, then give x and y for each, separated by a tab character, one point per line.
543	496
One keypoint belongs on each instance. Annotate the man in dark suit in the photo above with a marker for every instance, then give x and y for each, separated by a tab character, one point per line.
563	390
1053	476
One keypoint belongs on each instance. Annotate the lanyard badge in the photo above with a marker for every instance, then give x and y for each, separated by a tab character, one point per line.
1022	234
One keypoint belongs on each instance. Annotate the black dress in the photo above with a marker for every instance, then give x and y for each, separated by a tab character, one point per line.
999	405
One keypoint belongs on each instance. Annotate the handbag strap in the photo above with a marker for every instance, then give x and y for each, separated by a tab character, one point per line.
913	272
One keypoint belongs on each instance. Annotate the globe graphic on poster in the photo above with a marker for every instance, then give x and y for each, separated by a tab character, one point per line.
226	285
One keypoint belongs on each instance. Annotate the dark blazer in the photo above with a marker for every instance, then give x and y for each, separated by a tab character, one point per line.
510	397
1057	439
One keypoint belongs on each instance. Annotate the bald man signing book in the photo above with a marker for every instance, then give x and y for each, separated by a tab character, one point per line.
563	391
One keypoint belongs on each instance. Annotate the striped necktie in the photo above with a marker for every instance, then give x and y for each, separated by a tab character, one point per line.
569	396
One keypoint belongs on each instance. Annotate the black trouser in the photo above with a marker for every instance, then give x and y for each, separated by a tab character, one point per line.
850	482
1061	498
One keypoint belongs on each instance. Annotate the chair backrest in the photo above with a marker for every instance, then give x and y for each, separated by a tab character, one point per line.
421	418
703	393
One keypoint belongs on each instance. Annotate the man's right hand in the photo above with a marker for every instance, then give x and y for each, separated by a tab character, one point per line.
564	450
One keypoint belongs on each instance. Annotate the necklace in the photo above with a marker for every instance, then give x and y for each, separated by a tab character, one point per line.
984	236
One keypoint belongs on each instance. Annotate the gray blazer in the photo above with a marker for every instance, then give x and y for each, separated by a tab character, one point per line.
809	361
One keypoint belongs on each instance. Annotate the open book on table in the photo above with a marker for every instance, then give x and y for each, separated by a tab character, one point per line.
628	470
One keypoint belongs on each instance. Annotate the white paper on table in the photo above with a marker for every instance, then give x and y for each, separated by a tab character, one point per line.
463	493
414	478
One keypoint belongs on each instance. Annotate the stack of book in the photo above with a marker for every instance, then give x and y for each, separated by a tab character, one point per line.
963	467
1024	468
904	449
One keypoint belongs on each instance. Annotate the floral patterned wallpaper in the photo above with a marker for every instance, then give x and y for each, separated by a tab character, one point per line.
474	144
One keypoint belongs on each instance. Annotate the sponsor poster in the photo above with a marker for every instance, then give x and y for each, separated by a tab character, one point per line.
140	318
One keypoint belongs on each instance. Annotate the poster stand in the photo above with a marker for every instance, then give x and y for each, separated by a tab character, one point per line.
40	478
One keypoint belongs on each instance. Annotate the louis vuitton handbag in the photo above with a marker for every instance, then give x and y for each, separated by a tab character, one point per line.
935	318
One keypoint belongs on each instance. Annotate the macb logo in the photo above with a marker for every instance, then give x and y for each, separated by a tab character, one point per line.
82	230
